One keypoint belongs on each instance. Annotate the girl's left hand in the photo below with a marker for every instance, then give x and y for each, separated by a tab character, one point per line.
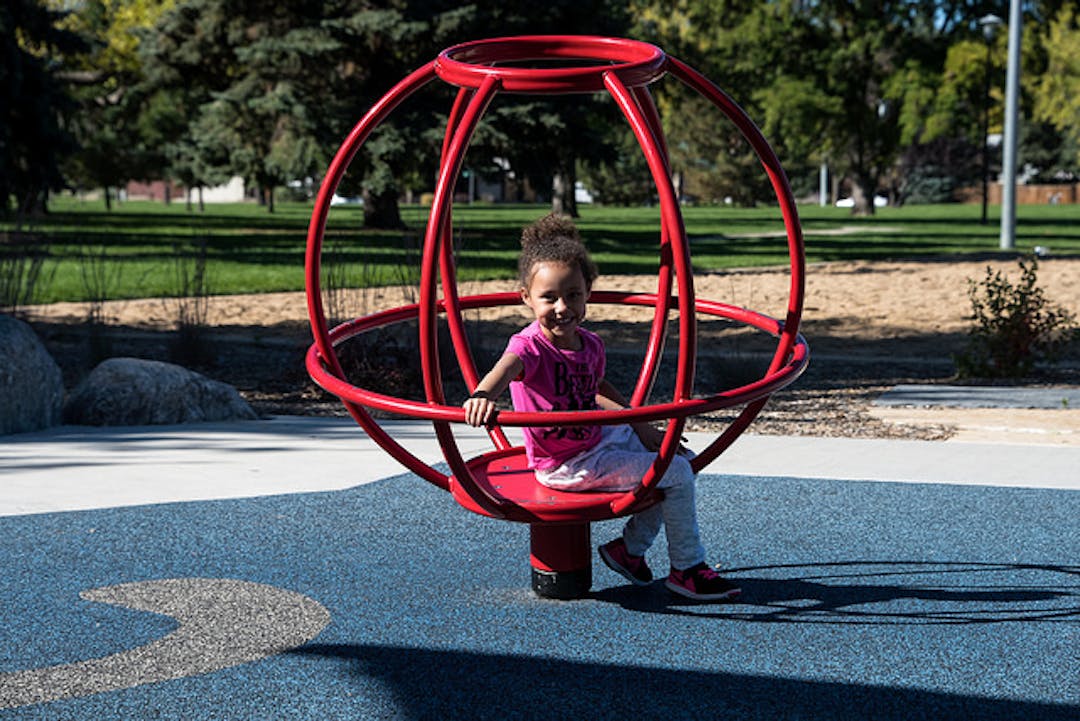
651	437
479	411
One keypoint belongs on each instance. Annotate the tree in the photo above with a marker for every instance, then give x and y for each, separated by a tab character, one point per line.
818	77
163	127
1057	93
33	103
244	75
105	81
268	91
621	177
272	89
723	40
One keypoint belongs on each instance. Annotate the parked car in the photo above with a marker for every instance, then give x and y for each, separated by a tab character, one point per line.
880	201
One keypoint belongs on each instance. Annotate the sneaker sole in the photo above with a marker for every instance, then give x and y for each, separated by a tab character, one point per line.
687	593
610	563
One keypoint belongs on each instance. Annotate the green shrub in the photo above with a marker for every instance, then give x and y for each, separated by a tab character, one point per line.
1014	326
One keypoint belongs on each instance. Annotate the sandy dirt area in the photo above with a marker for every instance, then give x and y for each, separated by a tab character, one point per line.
850	304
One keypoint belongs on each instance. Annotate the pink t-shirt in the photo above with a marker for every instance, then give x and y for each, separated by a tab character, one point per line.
553	379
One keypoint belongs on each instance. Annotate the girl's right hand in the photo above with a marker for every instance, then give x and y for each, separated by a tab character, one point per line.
479	411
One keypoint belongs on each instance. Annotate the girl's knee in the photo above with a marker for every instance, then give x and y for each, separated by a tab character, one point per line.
678	473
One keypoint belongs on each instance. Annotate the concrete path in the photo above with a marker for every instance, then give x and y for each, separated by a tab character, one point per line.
77	468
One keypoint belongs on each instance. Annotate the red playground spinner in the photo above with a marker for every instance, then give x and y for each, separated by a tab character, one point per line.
498	483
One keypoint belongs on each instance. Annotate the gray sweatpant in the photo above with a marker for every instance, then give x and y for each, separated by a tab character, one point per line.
618	463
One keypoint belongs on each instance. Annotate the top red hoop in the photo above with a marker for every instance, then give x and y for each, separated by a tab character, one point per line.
468	65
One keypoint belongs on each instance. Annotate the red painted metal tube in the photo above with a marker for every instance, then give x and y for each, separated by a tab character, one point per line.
789	335
338	165
777	178
434	243
312	261
469	64
675	235
765	386
654	349
433	238
448	271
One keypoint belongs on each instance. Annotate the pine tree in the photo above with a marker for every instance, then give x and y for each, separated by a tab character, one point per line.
33	101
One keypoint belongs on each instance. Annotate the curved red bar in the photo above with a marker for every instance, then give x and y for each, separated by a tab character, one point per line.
765	386
469	64
796	252
313	256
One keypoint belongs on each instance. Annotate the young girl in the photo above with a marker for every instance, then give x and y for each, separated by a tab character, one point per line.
555	365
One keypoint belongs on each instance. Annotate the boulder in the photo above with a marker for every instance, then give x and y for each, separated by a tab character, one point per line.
135	392
31	386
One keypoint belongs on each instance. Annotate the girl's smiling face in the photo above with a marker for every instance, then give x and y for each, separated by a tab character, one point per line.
557	295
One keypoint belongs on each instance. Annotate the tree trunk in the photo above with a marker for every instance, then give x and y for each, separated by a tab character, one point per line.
862	192
202	205
34	203
563	201
108	200
381	209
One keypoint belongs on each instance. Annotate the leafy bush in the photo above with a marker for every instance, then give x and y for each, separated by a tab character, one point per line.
1014	326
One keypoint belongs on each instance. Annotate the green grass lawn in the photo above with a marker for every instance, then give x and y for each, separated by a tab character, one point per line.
136	250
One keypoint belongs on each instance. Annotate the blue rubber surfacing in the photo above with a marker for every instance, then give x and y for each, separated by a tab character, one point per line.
860	600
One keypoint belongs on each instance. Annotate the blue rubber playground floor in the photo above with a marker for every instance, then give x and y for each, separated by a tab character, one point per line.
861	600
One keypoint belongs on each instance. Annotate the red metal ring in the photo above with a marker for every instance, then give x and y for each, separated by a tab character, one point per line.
469	64
765	386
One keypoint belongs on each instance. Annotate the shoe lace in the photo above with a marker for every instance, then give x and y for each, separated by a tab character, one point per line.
708	573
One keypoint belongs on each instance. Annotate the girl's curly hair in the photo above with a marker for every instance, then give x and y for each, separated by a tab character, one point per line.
553	239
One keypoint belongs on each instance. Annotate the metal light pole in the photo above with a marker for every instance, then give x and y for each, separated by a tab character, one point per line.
823	184
1012	103
989	25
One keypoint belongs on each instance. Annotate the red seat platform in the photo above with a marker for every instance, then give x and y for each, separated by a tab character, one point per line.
506	477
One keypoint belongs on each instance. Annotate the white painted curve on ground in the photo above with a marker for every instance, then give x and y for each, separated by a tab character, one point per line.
222	623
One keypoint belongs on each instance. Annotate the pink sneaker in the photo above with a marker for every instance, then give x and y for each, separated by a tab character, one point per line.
702	584
618	559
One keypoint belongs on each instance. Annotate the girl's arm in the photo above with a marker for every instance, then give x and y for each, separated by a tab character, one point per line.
608	396
480	406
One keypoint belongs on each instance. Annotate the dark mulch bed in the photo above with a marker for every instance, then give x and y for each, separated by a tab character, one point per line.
266	366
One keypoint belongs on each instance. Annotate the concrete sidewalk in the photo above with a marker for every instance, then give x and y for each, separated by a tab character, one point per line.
79	468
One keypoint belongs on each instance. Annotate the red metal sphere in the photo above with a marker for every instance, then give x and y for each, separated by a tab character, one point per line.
497	484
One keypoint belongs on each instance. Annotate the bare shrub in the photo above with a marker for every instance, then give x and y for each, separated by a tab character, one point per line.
191	346
22	262
99	274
